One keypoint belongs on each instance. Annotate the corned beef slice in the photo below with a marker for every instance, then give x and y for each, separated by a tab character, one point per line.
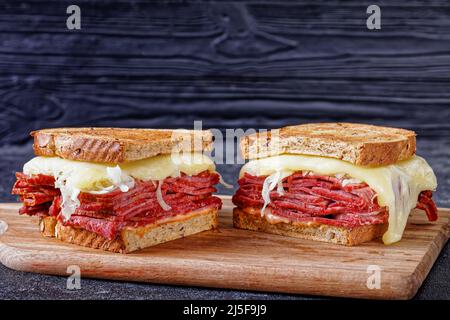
322	199
427	204
106	214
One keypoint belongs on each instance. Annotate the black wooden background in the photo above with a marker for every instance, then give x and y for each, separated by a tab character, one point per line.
230	64
259	64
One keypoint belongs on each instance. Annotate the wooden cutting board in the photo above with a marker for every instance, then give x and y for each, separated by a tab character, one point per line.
239	259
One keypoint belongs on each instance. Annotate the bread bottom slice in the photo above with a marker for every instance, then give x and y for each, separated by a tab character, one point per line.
242	219
132	239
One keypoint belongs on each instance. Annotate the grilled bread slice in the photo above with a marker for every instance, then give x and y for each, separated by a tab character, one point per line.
360	144
132	239
117	145
250	219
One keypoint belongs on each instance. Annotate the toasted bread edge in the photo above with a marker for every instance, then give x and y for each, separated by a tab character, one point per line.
369	153
86	146
132	239
316	232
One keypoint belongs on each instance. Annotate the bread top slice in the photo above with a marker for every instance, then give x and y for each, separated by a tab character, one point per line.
117	145
360	144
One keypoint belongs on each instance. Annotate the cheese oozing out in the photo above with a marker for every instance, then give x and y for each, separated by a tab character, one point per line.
398	185
73	177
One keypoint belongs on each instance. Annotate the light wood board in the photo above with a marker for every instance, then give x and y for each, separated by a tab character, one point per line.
239	259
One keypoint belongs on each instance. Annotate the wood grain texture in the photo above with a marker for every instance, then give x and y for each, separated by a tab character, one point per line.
246	64
261	64
239	259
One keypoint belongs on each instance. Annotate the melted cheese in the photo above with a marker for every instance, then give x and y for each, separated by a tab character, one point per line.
88	176
73	177
398	186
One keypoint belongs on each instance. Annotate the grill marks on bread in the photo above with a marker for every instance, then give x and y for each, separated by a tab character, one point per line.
360	144
117	145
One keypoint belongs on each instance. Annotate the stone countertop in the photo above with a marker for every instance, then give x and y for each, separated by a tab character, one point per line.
22	285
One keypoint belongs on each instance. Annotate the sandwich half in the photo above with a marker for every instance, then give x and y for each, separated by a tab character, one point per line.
118	189
341	183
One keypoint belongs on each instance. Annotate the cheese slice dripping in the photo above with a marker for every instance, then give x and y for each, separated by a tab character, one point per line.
73	177
398	185
88	176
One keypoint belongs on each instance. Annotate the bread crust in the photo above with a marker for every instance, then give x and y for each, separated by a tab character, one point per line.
243	219
117	145
360	144
47	226
132	239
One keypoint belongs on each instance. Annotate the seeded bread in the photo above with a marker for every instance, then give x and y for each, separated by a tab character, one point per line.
132	239
249	220
117	145
47	226
360	144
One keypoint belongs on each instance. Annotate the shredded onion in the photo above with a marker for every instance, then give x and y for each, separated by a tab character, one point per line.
350	181
340	176
160	199
104	190
272	181
374	197
269	184
306	173
280	188
69	196
119	179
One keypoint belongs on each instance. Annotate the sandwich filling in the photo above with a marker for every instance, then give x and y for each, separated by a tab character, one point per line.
105	199
311	189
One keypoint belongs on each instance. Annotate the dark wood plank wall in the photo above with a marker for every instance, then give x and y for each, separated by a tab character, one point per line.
243	64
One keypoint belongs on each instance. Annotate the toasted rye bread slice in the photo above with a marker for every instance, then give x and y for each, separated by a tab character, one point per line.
132	239
360	144
249	220
116	145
